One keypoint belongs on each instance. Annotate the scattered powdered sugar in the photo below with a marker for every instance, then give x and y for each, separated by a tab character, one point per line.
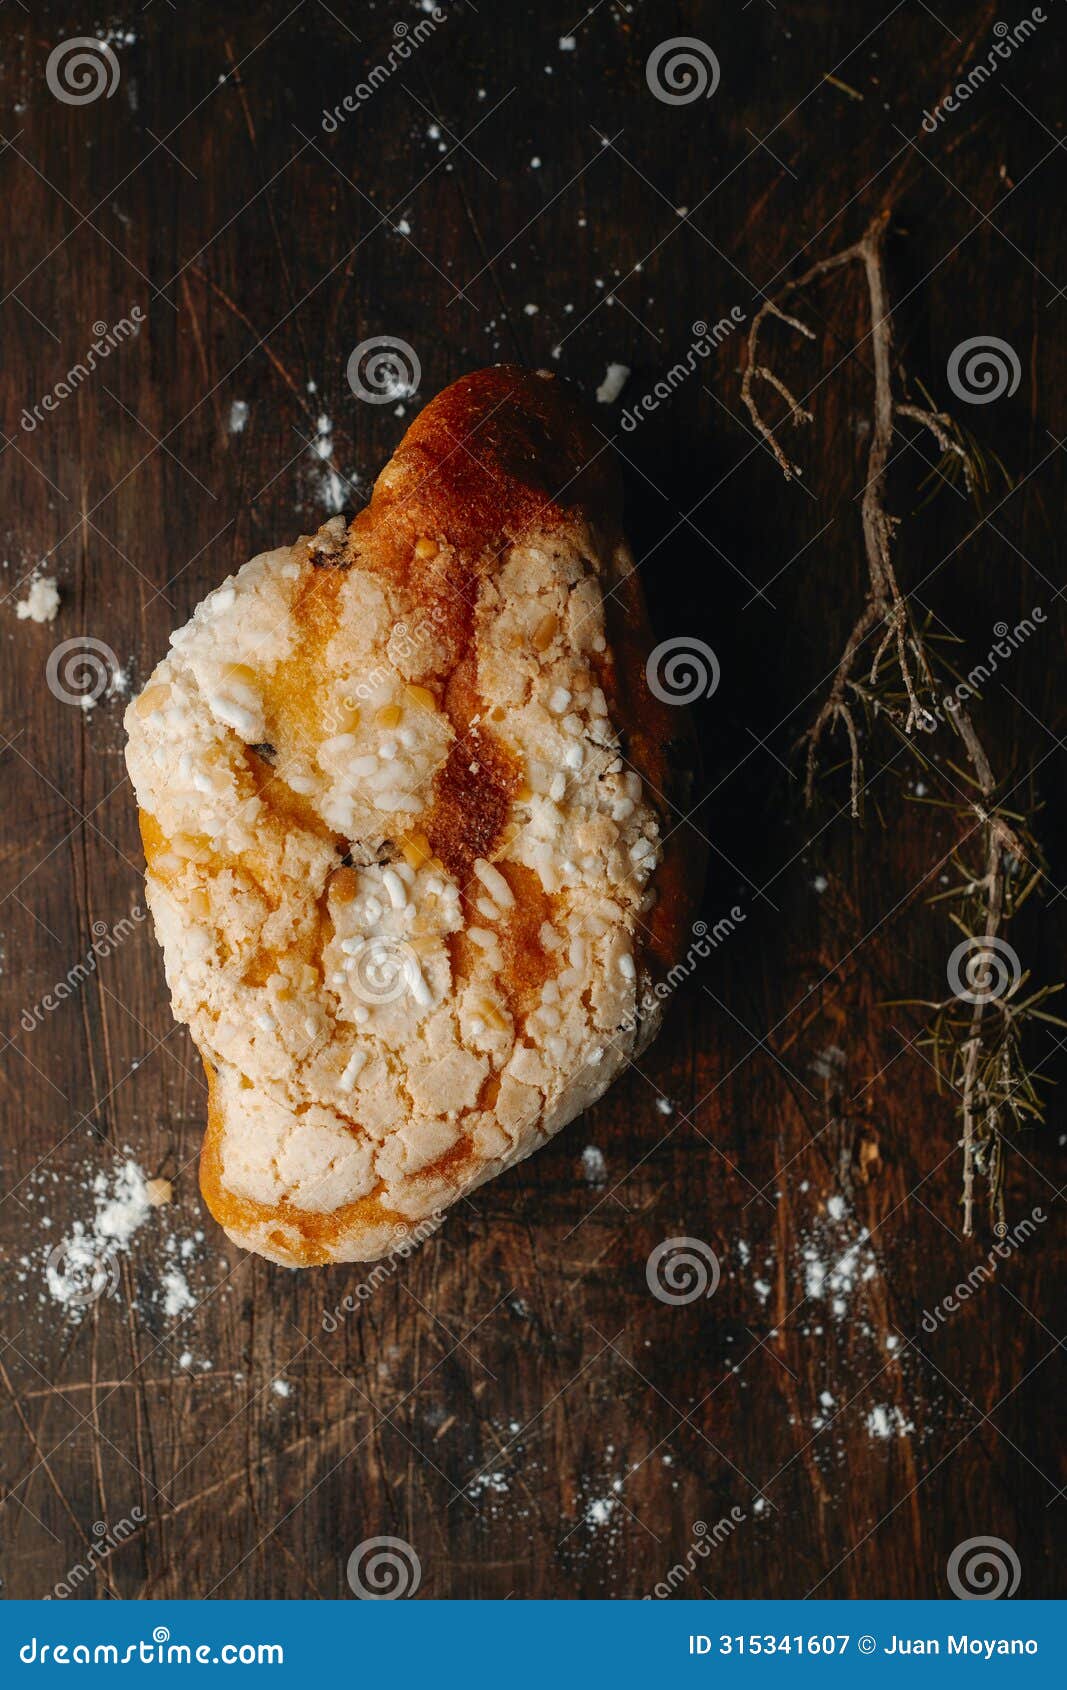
836	1258
833	1259
281	1387
132	1217
328	486
238	416
593	1165
41	603
74	1274
600	1510
884	1421
488	1484
831	1278
830	1063
84	1264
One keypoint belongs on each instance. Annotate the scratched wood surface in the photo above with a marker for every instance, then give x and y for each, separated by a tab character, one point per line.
513	1403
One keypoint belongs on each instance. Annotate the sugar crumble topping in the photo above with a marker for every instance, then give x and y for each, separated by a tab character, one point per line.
355	997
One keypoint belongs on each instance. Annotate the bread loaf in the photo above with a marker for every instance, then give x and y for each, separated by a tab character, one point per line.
405	799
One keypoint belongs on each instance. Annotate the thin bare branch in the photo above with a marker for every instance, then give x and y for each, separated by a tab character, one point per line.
976	1036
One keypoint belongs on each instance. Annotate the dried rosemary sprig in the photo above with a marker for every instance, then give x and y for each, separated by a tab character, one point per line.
975	1033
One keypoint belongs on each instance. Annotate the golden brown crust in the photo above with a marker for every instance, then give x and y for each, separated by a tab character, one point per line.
497	456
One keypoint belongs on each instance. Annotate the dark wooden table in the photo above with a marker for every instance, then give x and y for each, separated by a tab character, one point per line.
513	1402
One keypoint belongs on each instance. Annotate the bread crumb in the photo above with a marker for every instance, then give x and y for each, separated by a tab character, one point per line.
158	1192
41	602
593	1165
615	378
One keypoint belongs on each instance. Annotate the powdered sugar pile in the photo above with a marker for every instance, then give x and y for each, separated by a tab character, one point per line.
132	1216
600	1510
85	1263
41	603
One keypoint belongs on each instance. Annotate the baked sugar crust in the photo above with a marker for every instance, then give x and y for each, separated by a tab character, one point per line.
404	798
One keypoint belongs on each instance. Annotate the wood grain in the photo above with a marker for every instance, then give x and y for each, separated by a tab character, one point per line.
513	1402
